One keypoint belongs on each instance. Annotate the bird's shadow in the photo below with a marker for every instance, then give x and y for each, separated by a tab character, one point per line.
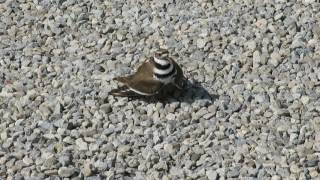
191	92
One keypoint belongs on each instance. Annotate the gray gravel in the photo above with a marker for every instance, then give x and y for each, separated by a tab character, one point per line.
253	112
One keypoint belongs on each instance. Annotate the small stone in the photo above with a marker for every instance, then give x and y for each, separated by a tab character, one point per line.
261	23
312	162
251	45
83	146
262	98
170	117
208	116
192	66
86	170
201	113
61	131
121	35
238	157
278	16
175	171
276	177
256	59
275	58
123	149
109	175
4	135
50	160
195	157
316	145
28	161
49	136
56	83
212	175
304	100
212	109
109	147
108	131
233	173
93	147
66	171
64	159
307	2
271	28
313	173
133	162
295	169
201	43
58	109
262	149
162	165
283	171
169	148
45	110
68	140
106	108
101	43
221	172
293	137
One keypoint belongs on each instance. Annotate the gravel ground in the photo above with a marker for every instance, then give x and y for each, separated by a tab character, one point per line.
254	113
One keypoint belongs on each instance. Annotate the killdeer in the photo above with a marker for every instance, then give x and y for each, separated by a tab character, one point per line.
153	76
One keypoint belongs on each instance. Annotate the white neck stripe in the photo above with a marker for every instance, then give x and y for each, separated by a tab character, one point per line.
162	62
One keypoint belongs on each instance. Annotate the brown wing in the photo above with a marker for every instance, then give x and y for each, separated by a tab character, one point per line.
144	71
147	87
142	81
124	79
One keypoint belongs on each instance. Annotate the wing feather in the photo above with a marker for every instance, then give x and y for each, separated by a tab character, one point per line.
146	87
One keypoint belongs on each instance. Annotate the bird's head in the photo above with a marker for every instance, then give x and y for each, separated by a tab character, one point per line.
161	54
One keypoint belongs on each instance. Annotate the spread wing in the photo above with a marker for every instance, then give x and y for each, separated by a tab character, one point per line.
139	88
144	71
145	87
124	91
140	83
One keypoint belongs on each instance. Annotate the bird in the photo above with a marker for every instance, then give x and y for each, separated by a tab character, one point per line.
153	77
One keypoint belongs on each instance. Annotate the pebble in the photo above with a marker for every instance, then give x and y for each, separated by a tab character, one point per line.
261	23
64	159
66	171
308	1
314	173
170	117
305	100
256	59
86	170
83	146
28	161
233	173
201	43
212	175
295	169
275	58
